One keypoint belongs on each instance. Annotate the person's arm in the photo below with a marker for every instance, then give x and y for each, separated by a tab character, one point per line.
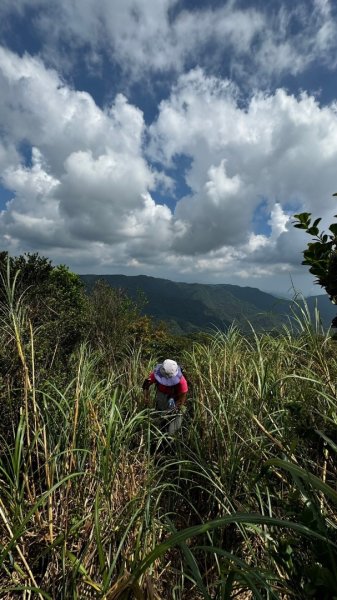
181	393
181	400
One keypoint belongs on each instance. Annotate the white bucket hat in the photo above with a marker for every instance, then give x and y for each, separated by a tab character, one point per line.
168	373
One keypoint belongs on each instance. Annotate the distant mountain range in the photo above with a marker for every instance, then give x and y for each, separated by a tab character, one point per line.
191	307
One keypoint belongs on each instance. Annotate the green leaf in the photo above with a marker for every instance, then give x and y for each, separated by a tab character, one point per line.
327	439
76	563
98	538
297	471
303	217
247	518
300	225
333	228
19	530
313	230
192	563
251	574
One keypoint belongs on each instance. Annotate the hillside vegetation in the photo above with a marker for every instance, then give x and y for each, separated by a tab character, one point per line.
96	503
193	307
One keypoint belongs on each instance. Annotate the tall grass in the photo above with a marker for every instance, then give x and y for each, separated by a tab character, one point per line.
96	503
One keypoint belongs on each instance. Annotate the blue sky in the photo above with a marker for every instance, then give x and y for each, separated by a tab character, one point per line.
173	138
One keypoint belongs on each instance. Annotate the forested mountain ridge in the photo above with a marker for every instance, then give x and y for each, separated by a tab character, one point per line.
188	307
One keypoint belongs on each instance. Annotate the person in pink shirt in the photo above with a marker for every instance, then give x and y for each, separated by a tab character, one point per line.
171	391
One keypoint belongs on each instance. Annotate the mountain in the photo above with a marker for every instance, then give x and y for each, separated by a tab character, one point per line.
190	307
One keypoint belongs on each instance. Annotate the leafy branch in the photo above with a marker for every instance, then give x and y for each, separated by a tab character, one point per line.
320	254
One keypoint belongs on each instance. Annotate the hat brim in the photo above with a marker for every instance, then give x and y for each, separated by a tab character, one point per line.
169	381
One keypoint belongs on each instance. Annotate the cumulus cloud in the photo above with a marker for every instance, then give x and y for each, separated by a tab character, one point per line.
86	195
38	106
279	148
88	181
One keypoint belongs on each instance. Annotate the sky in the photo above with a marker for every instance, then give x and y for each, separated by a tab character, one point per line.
171	138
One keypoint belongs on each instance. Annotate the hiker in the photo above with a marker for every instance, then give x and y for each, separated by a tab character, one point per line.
171	392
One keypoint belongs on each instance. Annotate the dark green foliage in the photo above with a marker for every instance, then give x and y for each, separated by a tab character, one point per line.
33	269
320	254
65	307
310	567
44	287
50	308
112	318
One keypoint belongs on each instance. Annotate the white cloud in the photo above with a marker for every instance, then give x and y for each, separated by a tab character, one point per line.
87	198
295	38
278	221
32	215
89	182
216	215
146	35
143	36
279	148
37	105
